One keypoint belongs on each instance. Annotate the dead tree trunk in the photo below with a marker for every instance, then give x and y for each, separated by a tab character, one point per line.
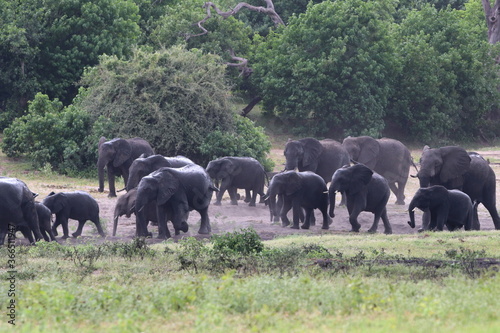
492	20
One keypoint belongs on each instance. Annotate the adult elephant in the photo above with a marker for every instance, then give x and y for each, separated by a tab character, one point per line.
298	190
454	168
144	165
387	157
17	207
116	156
321	157
176	192
238	172
366	191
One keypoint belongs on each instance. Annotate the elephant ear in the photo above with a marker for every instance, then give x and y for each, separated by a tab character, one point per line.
370	148
168	184
361	175
293	184
228	167
123	151
60	200
456	162
312	150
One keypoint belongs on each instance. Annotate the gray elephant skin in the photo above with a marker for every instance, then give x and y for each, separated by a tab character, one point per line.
454	168
44	221
365	191
388	157
143	166
322	157
17	207
116	156
238	173
299	190
176	192
77	205
125	205
452	208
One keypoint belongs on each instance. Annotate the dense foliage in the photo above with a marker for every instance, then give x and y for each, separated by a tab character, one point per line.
45	45
330	70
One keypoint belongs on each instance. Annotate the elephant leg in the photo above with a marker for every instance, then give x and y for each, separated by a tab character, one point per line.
398	192
233	195
26	233
64	223
205	222
426	219
287	205
296	211
387	226
312	220
163	232
79	230
326	219
253	200
307	221
97	223
353	219
343	199
111	181
490	205
475	218
248	197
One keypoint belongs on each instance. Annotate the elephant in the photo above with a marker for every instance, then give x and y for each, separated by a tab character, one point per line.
238	172
76	205
17	207
125	205
455	168
143	166
116	156
322	157
388	157
44	221
365	191
299	190
176	192
452	208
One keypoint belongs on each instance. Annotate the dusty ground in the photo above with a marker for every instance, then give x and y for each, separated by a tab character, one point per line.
227	218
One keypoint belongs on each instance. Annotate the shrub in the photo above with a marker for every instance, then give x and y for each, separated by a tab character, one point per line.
245	241
245	140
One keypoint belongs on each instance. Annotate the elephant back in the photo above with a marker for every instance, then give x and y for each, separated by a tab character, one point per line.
394	160
333	157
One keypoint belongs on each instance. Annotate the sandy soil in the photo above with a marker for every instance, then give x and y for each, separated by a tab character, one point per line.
227	218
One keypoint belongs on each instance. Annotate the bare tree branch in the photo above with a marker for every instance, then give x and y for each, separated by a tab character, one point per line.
242	64
268	10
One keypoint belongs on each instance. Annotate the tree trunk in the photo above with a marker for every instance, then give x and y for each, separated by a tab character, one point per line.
492	20
250	106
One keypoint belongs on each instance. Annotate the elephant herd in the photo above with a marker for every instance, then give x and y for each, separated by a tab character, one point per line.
364	170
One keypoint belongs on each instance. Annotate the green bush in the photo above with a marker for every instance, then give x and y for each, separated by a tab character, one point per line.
245	241
246	140
49	135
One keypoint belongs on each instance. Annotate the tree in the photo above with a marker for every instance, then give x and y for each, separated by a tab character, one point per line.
45	45
329	71
173	98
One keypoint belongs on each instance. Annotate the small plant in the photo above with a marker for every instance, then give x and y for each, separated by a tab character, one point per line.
245	241
467	260
191	254
85	256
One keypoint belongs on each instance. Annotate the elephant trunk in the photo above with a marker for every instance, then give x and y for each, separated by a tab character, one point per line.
411	211
331	196
115	224
100	168
291	164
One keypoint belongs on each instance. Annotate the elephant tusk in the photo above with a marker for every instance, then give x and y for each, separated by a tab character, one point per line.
325	192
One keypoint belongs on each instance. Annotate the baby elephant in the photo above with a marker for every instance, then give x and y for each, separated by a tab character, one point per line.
365	191
44	219
452	208
125	205
299	190
238	172
77	205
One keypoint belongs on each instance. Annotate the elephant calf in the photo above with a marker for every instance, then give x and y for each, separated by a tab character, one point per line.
366	191
238	172
452	208
299	190
44	220
77	205
125	205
